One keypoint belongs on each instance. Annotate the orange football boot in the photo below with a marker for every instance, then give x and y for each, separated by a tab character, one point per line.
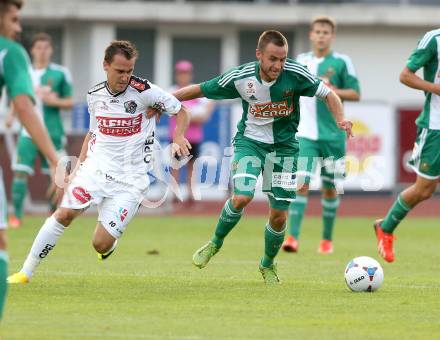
384	242
290	244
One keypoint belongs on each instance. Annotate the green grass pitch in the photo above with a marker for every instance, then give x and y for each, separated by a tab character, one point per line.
148	289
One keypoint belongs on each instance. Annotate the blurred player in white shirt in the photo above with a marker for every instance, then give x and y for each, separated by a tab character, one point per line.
115	157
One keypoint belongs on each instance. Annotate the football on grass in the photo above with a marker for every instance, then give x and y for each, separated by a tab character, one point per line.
363	274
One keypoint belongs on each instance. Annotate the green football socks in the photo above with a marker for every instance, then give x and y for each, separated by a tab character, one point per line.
396	214
19	189
3	277
229	217
329	209
296	214
272	244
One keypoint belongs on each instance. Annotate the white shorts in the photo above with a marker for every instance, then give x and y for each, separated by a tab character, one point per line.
3	203
117	202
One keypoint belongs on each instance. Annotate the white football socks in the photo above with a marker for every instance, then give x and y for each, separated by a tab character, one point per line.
45	241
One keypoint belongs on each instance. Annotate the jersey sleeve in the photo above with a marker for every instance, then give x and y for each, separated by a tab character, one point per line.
349	77
16	73
426	49
66	85
309	85
161	100
221	87
91	110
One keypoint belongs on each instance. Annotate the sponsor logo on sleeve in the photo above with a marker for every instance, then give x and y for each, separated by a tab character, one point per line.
137	85
159	106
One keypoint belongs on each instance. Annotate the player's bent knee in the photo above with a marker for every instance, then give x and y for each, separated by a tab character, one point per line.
64	216
3	242
303	189
101	246
329	193
426	194
278	220
20	175
240	201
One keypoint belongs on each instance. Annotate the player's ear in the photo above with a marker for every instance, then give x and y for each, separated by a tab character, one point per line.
258	54
105	65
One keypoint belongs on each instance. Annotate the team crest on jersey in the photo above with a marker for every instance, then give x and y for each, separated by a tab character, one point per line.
327	75
250	89
288	93
130	106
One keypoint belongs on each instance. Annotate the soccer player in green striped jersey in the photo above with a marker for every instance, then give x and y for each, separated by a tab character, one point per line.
321	142
265	142
14	75
425	159
53	87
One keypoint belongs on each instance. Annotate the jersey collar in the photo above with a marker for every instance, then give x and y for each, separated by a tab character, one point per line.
114	94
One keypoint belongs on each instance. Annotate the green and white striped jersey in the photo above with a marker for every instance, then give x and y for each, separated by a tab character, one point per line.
427	55
317	122
14	69
54	78
270	110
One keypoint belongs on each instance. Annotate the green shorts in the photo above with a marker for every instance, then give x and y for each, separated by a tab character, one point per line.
425	158
329	155
277	163
27	153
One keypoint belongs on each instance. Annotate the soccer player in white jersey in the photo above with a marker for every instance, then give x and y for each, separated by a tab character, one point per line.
115	157
318	135
425	159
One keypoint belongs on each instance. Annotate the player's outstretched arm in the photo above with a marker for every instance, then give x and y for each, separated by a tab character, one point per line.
189	92
335	106
85	146
183	118
347	94
24	109
410	79
52	99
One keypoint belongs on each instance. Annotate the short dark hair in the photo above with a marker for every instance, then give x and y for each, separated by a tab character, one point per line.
271	36
4	5
42	36
324	19
123	47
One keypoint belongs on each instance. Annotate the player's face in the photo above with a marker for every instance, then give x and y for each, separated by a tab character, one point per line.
41	51
10	26
119	72
183	78
272	60
321	36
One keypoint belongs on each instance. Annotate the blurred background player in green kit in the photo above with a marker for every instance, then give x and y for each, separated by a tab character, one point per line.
53	89
318	134
425	159
14	75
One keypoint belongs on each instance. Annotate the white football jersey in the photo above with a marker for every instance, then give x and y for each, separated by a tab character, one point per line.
121	146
